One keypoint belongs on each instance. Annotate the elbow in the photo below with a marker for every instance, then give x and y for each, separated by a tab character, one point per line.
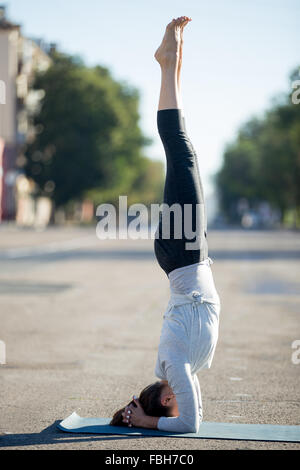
195	426
192	427
191	424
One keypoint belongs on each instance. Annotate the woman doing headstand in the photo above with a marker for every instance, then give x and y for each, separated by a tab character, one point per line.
190	327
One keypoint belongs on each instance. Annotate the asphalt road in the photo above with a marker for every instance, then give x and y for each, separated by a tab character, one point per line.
81	321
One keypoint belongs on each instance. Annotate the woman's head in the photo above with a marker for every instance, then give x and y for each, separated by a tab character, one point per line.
157	399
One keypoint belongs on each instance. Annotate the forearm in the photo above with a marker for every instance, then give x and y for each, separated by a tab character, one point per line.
184	387
179	424
149	422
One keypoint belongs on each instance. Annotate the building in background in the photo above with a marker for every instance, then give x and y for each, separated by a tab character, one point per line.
20	59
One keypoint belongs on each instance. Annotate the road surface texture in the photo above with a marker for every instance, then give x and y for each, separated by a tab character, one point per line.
81	322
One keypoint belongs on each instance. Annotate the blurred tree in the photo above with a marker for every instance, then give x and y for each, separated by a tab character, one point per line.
88	141
238	176
147	186
263	163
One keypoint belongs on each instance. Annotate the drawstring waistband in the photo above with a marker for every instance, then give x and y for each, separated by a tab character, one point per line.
208	294
192	297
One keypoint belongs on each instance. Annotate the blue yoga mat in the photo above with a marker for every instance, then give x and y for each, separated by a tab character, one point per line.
240	432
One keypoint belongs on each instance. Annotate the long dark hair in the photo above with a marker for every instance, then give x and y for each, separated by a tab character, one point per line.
150	402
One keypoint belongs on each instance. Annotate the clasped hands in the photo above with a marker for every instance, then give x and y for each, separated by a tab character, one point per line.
134	415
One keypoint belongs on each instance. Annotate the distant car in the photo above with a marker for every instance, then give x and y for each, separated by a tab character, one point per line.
250	219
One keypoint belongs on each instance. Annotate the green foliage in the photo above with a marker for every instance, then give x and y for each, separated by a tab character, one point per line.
88	141
263	163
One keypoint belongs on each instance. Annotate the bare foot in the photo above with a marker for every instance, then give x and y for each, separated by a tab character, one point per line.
168	52
182	26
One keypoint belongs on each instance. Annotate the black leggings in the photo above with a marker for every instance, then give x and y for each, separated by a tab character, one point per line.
182	186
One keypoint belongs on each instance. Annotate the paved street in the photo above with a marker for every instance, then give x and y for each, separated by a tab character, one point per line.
81	321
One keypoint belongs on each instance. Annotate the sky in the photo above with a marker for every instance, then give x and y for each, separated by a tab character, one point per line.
238	55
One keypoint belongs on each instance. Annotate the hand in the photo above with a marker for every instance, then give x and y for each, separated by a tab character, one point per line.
134	415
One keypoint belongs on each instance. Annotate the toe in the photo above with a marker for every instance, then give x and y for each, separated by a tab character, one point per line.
181	21
185	21
171	24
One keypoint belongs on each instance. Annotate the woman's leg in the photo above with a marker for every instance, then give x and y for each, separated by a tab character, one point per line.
183	184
